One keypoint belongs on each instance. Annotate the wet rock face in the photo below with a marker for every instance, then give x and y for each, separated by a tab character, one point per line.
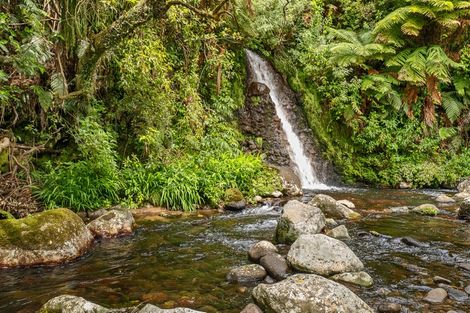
464	186
464	210
49	237
298	219
258	89
112	224
258	119
320	254
308	294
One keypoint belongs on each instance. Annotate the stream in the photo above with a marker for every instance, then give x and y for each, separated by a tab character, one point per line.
183	261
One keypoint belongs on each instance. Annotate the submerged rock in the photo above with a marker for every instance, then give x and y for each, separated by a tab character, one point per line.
308	294
389	308
247	274
444	199
347	203
426	209
320	254
454	294
464	210
251	308
49	237
439	279
436	295
399	210
112	224
413	242
275	265
260	249
357	278
340	232
298	219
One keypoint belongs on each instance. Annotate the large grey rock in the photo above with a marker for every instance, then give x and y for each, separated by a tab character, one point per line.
71	304
260	249
308	294
357	278
298	219
247	274
340	232
436	295
467	289
112	224
464	186
275	265
49	237
320	254
464	210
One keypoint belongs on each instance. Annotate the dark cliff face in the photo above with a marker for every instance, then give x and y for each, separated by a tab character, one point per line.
258	119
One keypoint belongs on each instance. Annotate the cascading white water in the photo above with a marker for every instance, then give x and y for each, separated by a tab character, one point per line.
264	74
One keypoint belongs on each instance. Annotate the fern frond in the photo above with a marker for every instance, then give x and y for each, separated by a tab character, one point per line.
452	106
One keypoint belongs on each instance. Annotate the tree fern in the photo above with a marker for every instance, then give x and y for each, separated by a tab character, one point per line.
452	105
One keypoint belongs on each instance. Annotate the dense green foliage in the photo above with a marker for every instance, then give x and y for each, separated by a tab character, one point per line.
157	125
385	84
135	102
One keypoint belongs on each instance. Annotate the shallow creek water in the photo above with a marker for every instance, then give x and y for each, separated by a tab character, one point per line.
183	262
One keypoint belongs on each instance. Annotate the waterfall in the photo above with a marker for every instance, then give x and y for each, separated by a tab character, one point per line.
264	73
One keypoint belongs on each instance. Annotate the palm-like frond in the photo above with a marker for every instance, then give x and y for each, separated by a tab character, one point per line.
452	105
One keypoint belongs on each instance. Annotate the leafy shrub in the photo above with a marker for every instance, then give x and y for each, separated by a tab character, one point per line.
80	185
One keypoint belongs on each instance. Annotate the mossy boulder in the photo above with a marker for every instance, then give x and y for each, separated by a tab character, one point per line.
233	195
426	209
49	237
